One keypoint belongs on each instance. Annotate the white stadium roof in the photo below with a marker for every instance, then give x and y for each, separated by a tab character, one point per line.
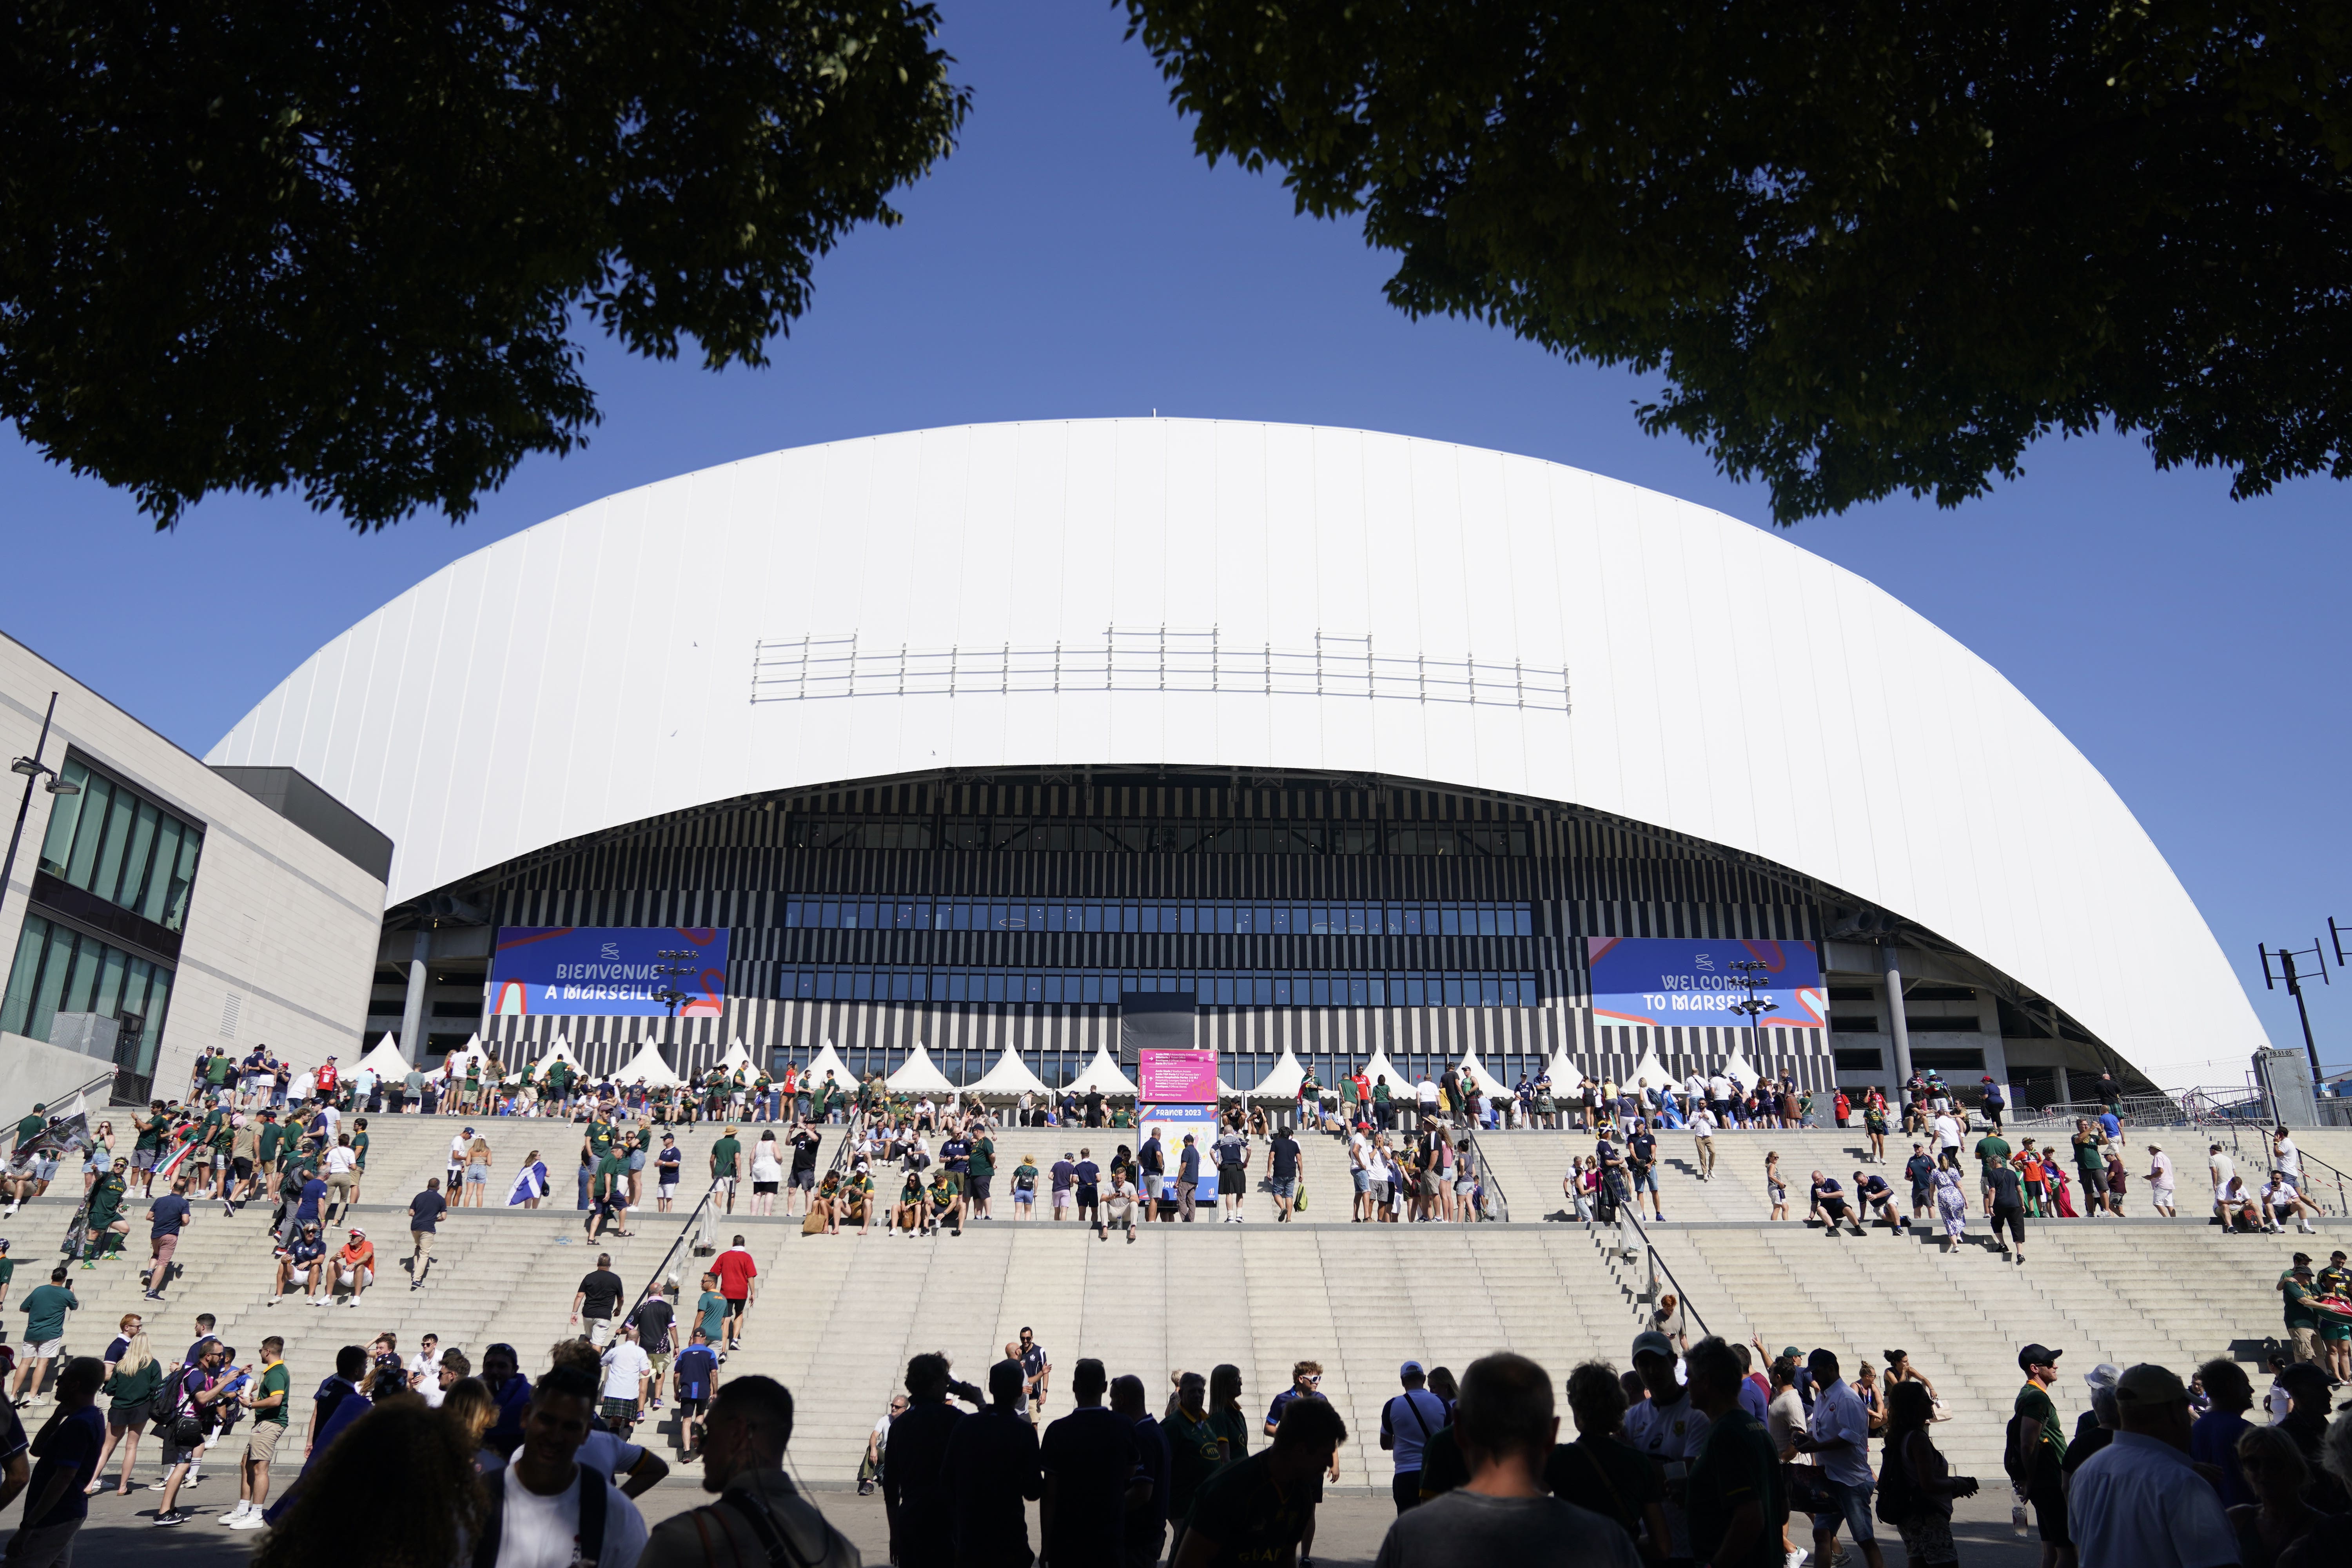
1202	593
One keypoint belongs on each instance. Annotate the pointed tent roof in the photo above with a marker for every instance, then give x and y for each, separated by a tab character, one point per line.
1562	1070
1737	1070
737	1057
1380	1067
385	1061
560	1050
1477	1072
1103	1074
1009	1076
455	1063
648	1068
828	1060
1653	1070
920	1075
1282	1080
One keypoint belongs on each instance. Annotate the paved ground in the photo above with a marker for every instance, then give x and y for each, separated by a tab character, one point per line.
1347	1531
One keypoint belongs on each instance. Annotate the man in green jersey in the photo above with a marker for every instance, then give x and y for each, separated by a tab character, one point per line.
106	1227
726	1165
1737	1505
266	1399
2037	1451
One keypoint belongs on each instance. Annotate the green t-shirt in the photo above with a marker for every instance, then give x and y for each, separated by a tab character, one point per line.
105	1201
1193	1457
599	1137
217	1071
272	1135
1735	1466
46	1307
2033	1402
150	1133
611	1176
1348	1091
278	1381
713	1308
223	1136
2300	1313
360	1148
1025	1177
724	1155
1381	1092
1250	1517
983	1158
30	1128
7	1271
2087	1154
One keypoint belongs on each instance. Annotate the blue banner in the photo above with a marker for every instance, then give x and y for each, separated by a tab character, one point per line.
608	971
1681	983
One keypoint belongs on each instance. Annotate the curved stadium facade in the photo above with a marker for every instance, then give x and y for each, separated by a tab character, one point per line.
959	737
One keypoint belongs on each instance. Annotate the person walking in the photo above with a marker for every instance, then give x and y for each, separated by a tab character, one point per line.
916	1497
760	1516
991	1468
739	1281
1089	1461
425	1212
547	1510
1188	1178
1282	1173
597	1301
138	1381
45	1309
1915	1482
1838	1435
1262	1508
1506	1507
1734	1488
1669	1429
167	1218
266	1400
2138	1503
2005	1202
2036	1454
1951	1200
1407	1423
66	1450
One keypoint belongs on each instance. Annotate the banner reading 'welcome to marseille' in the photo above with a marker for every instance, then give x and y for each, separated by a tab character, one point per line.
1684	983
609	971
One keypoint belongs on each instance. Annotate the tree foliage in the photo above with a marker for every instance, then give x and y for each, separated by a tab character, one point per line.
1871	246
345	248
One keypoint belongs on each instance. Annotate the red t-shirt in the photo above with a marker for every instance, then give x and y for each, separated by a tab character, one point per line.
735	1270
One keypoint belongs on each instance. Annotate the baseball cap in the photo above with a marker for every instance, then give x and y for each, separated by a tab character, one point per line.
2301	1259
2037	1355
2148	1383
358	1232
1409	1369
1652	1342
2106	1374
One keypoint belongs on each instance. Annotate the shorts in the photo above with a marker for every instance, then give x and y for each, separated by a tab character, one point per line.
1062	1196
759	1188
261	1443
1363	1179
977	1186
130	1418
620	1411
242	1166
2160	1196
175	1455
1853	1509
477	1175
2013	1218
1024	1198
803	1179
1466	1187
2335	1331
693	1407
2307	1344
1285	1186
669	1190
600	1331
143	1159
1647	1178
45	1349
2049	1502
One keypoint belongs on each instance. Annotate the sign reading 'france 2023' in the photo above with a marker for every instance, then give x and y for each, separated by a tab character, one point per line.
608	971
1683	983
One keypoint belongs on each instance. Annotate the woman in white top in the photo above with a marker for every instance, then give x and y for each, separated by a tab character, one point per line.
766	1171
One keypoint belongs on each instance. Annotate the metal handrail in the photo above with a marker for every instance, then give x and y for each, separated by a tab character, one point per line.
1487	1184
2343	1192
106	1078
661	1270
1654	1266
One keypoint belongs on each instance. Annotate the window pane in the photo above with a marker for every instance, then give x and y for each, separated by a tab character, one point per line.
65	811
55	968
134	863
175	903
91	831
109	983
159	1004
23	973
120	817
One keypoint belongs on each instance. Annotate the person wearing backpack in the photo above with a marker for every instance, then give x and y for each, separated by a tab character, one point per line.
546	1510
759	1516
1407	1421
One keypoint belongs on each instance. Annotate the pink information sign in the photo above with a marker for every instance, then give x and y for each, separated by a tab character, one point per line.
1179	1077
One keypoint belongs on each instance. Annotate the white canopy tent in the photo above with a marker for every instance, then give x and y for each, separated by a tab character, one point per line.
1282	1080
1737	1070
560	1050
828	1060
454	1066
648	1068
1470	1067
737	1057
1102	1075
1652	1072
1010	1077
920	1075
1563	1072
385	1061
1380	1068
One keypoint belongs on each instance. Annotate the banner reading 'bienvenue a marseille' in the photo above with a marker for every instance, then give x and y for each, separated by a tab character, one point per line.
1683	983
608	971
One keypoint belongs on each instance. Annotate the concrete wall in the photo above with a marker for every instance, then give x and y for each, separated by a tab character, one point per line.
278	920
33	1072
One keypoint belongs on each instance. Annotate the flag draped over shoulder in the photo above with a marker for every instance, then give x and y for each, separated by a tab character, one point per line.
530	1183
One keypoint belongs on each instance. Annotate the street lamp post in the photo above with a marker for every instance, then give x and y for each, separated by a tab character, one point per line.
673	962
2292	979
1751	974
32	767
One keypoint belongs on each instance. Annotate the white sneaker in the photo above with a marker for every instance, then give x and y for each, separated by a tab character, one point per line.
1797	1555
240	1512
251	1521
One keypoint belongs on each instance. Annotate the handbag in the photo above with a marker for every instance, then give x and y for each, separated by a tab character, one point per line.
1298	1204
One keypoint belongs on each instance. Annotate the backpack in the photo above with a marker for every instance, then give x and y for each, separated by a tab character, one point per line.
594	1505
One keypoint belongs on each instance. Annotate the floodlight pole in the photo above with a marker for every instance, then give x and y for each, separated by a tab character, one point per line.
2292	980
1750	972
33	768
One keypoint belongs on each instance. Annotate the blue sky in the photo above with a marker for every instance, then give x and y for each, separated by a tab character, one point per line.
1076	259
